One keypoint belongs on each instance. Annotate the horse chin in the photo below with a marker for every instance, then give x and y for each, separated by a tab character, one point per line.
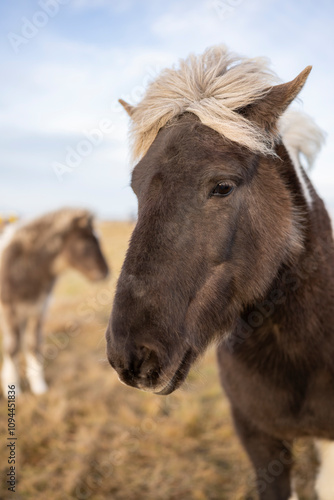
180	375
98	275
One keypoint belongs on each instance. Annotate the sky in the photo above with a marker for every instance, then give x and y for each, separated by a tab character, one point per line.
65	63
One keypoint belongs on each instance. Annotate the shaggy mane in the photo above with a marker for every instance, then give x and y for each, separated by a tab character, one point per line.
46	232
214	86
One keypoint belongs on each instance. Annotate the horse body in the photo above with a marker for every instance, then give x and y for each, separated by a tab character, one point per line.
32	258
279	376
232	245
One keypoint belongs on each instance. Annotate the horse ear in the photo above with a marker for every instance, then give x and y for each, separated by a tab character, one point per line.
128	108
266	111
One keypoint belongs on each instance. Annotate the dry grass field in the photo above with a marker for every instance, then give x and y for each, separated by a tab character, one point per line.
90	437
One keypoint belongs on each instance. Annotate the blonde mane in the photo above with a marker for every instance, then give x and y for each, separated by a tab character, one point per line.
213	86
301	136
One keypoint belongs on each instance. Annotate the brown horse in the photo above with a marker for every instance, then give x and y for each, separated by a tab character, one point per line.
33	256
232	244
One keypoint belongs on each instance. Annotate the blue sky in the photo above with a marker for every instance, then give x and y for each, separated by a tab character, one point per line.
65	66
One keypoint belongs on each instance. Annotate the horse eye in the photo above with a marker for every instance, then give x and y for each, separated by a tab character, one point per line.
222	189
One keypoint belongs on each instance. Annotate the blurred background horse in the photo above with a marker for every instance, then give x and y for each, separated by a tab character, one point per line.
33	256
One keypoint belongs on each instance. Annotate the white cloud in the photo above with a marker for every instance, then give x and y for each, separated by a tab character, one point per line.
123	6
62	88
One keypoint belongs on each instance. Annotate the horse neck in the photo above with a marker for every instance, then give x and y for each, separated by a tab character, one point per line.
294	319
309	288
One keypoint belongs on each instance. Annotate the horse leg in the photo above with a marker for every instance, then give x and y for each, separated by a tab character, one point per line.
11	348
271	458
32	349
324	485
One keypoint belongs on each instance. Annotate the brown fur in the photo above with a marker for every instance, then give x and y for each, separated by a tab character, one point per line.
31	261
253	270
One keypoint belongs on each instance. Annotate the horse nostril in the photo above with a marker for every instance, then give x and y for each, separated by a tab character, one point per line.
153	375
148	365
